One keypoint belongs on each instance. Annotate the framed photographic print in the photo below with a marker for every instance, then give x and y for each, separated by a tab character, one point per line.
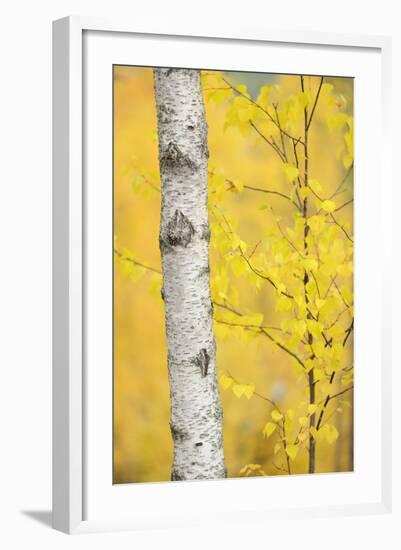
219	329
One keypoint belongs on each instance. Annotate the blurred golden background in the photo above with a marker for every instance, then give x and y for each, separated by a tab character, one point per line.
143	449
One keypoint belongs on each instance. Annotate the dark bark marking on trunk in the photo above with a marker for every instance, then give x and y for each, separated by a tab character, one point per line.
202	360
205	232
178	434
179	232
175	476
174	159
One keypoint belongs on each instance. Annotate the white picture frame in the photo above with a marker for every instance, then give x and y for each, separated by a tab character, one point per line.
71	384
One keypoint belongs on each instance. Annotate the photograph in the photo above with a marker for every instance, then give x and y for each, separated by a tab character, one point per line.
233	270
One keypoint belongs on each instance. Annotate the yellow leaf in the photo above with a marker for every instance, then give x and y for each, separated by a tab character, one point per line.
316	223
292	451
263	95
337	121
238	390
291	172
318	374
299	327
348	160
290	414
302	436
283	304
238	266
309	364
310	264
277	448
315	185
314	327
269	429
276	415
303	420
304	192
303	99
330	433
312	408
249	391
326	88
328	206
225	381
236	241
219	96
242	89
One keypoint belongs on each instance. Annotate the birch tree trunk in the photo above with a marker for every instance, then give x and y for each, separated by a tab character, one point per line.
196	413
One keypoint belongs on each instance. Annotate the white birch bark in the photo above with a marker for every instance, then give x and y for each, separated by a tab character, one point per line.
196	413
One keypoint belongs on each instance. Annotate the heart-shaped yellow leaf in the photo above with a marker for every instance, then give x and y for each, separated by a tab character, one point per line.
249	390
292	451
238	390
225	381
269	429
303	421
291	172
276	415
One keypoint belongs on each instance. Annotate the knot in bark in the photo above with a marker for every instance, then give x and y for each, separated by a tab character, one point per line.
202	360
179	230
179	434
173	158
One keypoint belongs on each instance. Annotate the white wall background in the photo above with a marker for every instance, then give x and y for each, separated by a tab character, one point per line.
25	291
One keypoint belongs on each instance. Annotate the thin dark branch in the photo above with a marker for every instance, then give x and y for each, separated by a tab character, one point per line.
247	325
315	103
270	401
263	110
348	332
342	392
327	401
272	145
339	187
135	262
284	348
344	205
342	228
263	330
254	250
261	275
261	190
228	308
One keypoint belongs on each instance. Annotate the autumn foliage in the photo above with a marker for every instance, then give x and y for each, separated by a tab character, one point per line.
280	213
